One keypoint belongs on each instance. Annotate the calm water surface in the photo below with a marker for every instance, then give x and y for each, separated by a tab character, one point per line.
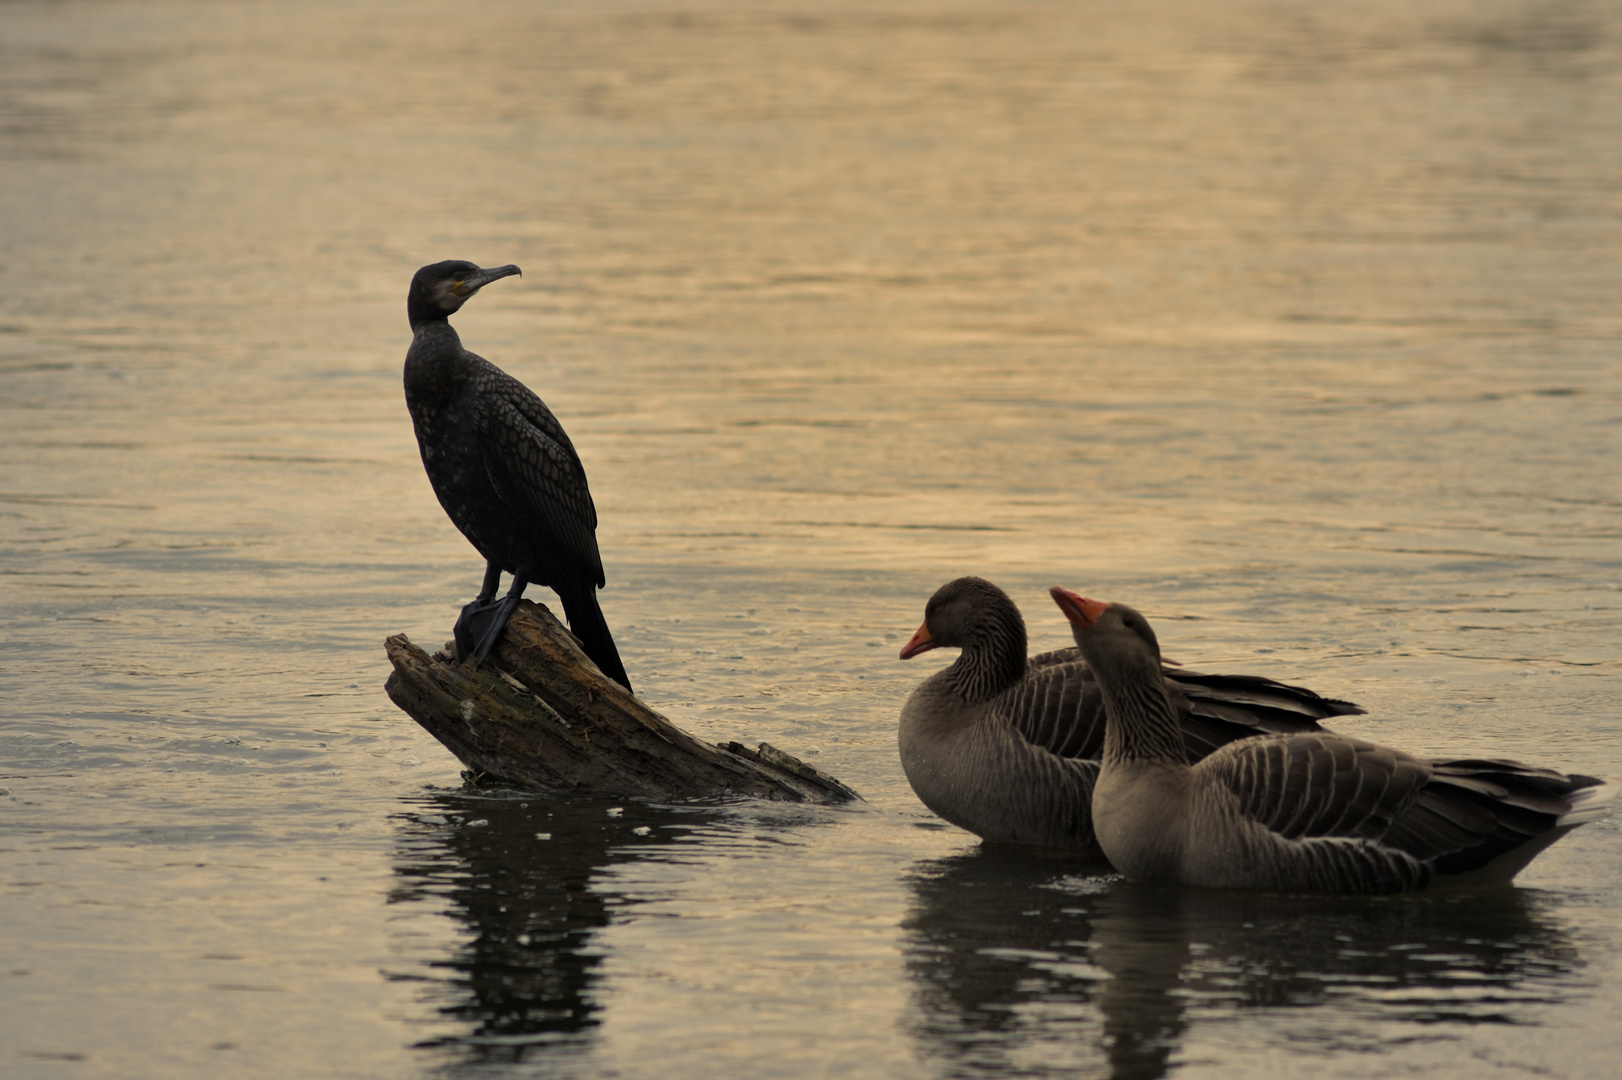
1295	325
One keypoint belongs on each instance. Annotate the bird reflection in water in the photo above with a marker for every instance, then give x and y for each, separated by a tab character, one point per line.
1044	968
521	985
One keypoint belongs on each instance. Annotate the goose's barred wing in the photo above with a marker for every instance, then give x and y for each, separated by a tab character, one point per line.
1319	784
1476	810
1217	709
533	466
1058	707
1452	817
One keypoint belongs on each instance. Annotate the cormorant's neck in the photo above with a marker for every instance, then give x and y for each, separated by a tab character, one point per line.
435	335
421	313
1141	724
989	666
433	328
435	365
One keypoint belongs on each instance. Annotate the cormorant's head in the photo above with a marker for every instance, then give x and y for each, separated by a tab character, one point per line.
439	290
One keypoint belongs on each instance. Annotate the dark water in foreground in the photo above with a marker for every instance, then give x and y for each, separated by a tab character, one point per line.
1295	327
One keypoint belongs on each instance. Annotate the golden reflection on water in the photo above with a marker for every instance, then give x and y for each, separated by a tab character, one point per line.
874	277
1294	325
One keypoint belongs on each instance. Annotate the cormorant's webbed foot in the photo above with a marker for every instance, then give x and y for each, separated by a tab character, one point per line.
481	621
480	624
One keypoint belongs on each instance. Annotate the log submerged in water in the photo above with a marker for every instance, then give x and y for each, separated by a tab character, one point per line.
538	714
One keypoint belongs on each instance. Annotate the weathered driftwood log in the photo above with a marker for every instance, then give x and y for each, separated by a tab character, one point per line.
538	714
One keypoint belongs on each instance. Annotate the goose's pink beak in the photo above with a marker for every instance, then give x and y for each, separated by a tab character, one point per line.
1077	608
921	642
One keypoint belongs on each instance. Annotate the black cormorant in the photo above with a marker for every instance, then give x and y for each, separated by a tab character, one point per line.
503	470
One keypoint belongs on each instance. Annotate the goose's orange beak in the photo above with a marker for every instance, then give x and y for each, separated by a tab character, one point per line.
1077	608
920	642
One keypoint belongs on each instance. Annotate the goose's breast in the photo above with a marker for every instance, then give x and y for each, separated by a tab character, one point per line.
981	776
1141	814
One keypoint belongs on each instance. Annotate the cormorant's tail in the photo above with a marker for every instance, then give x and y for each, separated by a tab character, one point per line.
587	623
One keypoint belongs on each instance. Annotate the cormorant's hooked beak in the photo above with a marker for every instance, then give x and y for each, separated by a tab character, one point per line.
480	278
922	641
1078	609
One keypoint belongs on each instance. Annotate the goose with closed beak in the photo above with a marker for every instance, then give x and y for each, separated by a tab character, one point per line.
1007	747
1312	812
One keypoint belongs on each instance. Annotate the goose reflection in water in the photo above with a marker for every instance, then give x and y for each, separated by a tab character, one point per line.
1041	969
522	984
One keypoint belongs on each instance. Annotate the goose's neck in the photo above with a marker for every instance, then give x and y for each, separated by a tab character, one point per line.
987	668
1141	724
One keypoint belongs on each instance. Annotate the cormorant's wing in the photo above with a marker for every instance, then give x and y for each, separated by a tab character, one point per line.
534	468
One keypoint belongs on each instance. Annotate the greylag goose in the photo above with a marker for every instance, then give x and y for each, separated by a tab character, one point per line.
1313	812
1008	748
